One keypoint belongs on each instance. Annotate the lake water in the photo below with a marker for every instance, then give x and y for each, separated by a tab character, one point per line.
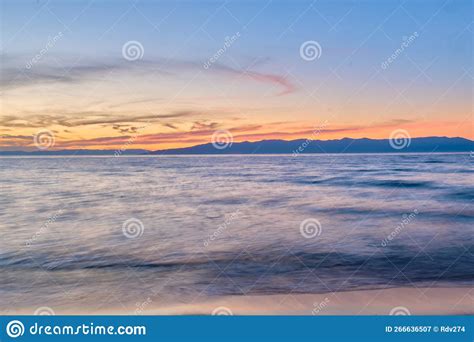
102	231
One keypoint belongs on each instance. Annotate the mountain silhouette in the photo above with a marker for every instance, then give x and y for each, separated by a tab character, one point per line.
346	145
294	147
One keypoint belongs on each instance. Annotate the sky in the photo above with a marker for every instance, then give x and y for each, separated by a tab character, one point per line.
164	74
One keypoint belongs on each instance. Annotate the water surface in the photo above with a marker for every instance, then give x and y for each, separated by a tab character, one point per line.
230	225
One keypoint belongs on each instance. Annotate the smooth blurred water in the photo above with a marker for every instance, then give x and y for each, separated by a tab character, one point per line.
230	225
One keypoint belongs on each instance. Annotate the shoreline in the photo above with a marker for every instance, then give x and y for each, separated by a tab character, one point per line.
418	301
401	301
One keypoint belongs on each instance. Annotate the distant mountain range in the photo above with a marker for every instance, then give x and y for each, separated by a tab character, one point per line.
294	147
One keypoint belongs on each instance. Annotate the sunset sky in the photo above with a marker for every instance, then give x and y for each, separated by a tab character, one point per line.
65	68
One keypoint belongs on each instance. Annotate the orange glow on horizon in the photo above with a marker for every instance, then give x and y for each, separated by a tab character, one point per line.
94	140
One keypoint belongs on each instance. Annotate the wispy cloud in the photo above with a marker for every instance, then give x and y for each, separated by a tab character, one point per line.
15	75
286	87
86	118
199	125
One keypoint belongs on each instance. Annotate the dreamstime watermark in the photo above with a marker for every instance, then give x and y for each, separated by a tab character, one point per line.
308	141
318	307
141	307
49	45
44	139
130	141
133	50
222	139
310	50
407	41
44	227
310	228
44	311
400	311
406	219
15	329
133	228
228	220
222	311
228	42
399	139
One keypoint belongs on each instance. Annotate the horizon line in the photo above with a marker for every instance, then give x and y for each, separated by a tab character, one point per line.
125	149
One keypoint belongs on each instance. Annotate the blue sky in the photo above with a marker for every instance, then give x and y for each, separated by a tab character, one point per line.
259	87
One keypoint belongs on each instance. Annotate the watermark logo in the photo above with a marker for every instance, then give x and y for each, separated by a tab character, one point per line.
15	329
222	139
318	307
400	311
44	228
133	228
44	311
140	307
44	139
222	311
49	45
407	41
228	220
133	50
310	50
406	219
131	140
308	141
310	228
399	139
228	42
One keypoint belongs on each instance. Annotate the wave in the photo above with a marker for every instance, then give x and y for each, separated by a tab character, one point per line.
386	258
383	183
400	183
467	194
267	270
